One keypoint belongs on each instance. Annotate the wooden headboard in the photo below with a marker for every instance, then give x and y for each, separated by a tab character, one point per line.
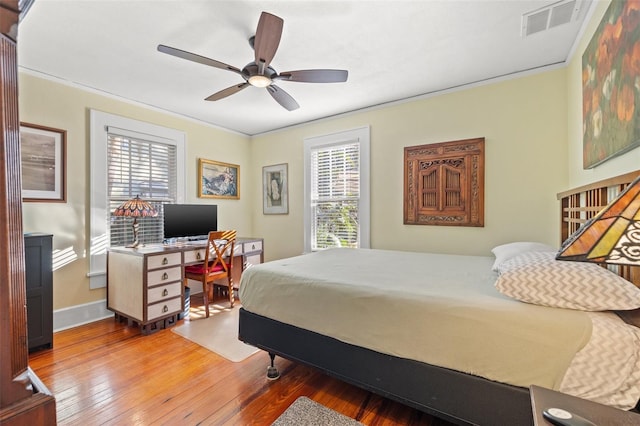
580	204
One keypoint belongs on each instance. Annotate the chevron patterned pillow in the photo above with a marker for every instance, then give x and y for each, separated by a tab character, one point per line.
536	277
507	251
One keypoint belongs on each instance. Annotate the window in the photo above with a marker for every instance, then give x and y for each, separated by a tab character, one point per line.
337	190
129	158
137	167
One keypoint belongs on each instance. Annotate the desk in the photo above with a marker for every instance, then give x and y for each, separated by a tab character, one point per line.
145	284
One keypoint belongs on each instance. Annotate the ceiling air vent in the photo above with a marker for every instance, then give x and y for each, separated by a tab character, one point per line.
550	16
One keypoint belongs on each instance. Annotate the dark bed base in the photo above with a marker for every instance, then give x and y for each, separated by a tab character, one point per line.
456	397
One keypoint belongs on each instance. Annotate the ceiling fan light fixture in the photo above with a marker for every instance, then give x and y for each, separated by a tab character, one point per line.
259	73
259	80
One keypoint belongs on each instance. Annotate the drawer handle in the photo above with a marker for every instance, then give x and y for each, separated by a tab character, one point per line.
165	261
165	309
198	256
165	292
253	246
165	276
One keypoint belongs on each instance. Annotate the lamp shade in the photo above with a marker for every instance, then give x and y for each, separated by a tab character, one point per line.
135	207
612	236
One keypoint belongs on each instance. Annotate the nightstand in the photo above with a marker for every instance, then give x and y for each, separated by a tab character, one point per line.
599	414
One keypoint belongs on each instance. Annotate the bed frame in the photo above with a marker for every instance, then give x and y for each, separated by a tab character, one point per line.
451	395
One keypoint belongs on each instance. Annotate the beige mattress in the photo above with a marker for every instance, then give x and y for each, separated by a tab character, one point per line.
438	309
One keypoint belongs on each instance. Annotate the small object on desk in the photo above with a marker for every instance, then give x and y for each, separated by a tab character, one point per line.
561	417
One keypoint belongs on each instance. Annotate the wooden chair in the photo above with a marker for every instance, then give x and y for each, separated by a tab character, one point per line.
218	259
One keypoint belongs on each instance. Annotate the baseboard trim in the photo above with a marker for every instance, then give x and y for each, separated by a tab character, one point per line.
74	316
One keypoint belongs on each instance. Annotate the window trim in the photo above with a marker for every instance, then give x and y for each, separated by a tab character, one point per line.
99	125
360	135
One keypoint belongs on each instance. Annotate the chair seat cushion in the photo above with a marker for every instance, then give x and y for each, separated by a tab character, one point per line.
199	269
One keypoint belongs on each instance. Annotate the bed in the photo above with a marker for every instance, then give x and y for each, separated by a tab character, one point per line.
428	348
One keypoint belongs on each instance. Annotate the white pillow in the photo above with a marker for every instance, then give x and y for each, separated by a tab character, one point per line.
538	278
509	250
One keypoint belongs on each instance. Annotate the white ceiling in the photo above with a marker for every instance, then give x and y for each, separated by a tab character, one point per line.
393	50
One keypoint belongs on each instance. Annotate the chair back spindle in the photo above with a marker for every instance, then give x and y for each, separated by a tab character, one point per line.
218	262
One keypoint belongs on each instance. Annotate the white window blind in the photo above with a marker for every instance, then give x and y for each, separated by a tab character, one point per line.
335	195
144	168
336	190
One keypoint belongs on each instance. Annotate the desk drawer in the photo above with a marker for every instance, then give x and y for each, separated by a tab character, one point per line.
194	256
163	260
252	246
168	291
162	276
252	259
167	307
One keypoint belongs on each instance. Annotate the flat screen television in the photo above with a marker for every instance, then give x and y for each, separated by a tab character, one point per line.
189	221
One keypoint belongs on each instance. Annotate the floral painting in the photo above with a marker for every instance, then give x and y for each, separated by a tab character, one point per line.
611	85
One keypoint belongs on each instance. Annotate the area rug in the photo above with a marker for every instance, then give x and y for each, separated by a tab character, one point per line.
218	333
305	412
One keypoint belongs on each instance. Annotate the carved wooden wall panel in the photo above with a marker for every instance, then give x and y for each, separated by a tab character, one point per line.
444	183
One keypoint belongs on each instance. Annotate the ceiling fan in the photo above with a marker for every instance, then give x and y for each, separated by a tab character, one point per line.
258	73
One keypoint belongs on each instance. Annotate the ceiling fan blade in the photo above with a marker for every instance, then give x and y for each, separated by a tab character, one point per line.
314	76
282	97
196	58
267	39
227	92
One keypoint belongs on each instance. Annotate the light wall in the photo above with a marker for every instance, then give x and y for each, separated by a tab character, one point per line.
628	162
532	126
51	104
524	123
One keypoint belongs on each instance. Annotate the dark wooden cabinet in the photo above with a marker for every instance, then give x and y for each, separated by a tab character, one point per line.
39	283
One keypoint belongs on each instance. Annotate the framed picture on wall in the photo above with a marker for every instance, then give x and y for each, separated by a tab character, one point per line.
42	156
275	194
610	68
218	180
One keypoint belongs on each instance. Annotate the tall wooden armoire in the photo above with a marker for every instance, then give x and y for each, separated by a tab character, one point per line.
24	400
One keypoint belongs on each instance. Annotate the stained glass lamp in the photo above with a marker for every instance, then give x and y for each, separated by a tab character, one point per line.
135	208
612	236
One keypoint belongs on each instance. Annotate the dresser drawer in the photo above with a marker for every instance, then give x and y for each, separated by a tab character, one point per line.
168	307
163	260
161	276
168	291
252	246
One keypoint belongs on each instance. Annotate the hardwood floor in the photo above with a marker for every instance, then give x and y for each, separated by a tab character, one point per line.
106	373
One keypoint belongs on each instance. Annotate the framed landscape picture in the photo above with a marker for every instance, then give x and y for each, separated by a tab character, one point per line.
218	180
42	156
275	194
